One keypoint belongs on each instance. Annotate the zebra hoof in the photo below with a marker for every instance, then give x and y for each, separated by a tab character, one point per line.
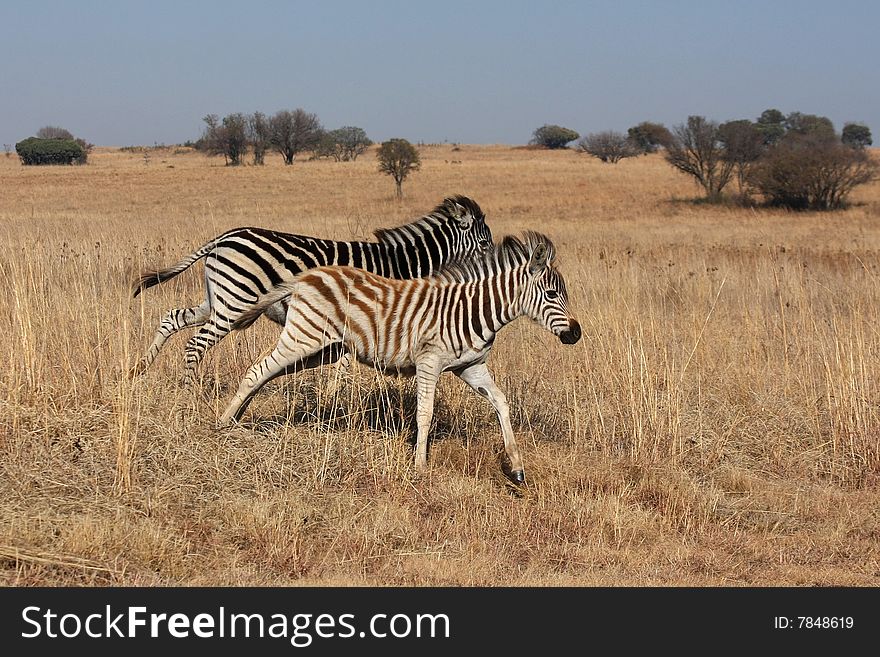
518	477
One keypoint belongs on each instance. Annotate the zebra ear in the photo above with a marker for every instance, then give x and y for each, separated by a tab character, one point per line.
538	259
460	213
465	218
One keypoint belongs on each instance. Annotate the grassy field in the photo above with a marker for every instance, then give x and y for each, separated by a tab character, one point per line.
718	424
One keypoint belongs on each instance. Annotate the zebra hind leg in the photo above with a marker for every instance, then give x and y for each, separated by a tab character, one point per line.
206	337
282	360
173	321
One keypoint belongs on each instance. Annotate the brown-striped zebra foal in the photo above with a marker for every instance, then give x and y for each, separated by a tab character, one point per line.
447	322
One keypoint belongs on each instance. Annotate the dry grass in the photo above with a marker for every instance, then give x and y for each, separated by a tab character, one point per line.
717	425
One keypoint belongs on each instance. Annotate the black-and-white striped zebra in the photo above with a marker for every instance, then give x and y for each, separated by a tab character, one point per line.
446	322
244	264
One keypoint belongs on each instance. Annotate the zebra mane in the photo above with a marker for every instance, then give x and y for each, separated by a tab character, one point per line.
452	207
511	253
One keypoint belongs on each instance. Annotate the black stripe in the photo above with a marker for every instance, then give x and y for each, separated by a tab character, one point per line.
233	293
435	255
226	262
342	253
475	313
357	252
267	269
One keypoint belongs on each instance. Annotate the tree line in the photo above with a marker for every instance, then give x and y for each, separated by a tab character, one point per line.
796	161
288	132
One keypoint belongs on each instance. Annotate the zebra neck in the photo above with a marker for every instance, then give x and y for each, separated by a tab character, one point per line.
506	291
401	260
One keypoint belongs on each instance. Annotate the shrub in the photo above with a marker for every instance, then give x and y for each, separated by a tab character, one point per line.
36	151
856	135
649	137
553	136
811	172
608	146
343	144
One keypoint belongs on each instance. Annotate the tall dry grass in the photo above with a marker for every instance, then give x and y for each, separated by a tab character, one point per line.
718	423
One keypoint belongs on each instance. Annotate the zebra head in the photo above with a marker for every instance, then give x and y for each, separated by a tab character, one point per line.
545	298
464	214
455	230
462	221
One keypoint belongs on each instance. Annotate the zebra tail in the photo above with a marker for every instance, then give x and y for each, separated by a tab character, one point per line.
251	315
155	276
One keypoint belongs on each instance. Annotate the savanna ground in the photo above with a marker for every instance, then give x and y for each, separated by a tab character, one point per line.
718	424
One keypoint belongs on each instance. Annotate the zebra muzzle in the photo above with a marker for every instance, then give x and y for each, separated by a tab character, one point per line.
572	335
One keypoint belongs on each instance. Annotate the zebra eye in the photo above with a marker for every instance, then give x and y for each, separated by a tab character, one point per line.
551	294
483	244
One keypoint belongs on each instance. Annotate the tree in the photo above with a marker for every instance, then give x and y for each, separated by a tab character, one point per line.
553	136
856	135
649	137
811	172
258	136
696	150
743	144
805	124
54	132
227	137
344	144
398	158
608	146
294	132
771	126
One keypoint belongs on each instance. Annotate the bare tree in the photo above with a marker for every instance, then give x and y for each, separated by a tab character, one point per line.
696	150
743	144
54	132
608	146
7	148
294	132
227	137
398	158
259	135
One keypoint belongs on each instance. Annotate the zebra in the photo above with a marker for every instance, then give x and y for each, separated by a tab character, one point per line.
421	327
244	264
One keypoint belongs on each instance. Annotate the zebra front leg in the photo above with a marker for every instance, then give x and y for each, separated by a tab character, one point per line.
480	379
172	322
427	374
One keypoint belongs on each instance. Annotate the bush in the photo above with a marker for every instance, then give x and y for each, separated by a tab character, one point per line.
811	172
856	135
649	137
36	151
343	144
608	146
553	136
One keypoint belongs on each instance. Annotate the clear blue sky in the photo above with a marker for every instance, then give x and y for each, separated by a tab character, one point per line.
130	73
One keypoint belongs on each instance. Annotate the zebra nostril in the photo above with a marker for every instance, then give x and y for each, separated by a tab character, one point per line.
572	335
